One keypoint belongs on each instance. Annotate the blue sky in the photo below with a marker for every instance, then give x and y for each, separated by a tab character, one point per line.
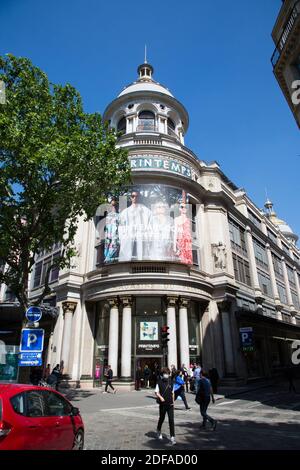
213	55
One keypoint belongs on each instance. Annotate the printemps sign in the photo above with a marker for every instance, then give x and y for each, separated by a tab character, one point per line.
157	162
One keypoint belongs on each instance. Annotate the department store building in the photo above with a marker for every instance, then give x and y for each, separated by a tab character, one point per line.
184	248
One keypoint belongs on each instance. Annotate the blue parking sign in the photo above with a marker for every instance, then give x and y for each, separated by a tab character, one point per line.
32	340
246	336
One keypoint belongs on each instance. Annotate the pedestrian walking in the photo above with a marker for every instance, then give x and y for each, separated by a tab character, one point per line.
173	372
109	377
179	388
186	376
165	397
138	376
197	376
147	375
203	396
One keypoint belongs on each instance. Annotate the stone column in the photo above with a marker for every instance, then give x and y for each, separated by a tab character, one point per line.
287	285
171	322
252	263
113	341
49	351
224	308
126	338
68	309
184	333
278	304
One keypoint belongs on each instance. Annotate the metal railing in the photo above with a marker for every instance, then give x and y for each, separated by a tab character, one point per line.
286	32
146	128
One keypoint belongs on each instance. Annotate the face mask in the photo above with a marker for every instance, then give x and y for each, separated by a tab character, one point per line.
165	376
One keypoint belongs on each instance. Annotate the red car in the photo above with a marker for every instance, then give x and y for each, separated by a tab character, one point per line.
38	418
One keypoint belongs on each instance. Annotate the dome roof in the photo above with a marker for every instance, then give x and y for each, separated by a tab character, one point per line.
145	82
143	85
281	224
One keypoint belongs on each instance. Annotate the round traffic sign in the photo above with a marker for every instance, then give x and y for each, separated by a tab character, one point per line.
33	314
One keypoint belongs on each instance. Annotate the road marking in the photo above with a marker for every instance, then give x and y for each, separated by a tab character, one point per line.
227	402
129	408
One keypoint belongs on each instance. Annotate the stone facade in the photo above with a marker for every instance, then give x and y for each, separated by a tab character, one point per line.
233	280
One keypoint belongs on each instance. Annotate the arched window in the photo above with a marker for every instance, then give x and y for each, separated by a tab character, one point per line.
146	121
122	125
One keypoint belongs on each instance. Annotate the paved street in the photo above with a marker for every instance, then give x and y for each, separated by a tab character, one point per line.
268	418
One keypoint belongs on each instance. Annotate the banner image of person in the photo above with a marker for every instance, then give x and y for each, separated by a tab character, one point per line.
134	230
183	236
111	232
148	331
153	224
162	233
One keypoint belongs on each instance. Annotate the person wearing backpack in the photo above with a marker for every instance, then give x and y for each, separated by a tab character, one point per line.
164	392
203	396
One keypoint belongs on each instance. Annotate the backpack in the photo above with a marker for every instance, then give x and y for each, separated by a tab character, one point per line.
200	395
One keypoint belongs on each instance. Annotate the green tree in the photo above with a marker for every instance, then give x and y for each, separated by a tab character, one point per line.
57	163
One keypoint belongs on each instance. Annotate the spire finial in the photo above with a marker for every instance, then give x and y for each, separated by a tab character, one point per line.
145	60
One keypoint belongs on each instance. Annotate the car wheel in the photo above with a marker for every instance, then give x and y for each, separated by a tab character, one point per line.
78	441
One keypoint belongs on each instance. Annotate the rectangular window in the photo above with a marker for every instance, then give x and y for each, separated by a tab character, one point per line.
46	264
265	283
282	293
254	219
260	254
277	266
286	249
295	300
241	269
237	237
54	271
272	236
37	274
291	276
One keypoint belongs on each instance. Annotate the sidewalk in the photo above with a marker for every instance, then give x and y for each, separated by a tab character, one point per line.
278	382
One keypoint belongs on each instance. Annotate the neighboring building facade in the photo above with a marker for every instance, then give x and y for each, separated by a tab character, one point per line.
185	248
286	57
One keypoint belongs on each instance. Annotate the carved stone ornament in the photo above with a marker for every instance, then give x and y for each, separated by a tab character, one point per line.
69	306
219	253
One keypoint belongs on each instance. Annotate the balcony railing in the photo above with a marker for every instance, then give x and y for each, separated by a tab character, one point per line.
146	128
286	32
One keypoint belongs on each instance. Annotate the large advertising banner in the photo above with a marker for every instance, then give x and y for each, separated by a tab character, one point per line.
153	224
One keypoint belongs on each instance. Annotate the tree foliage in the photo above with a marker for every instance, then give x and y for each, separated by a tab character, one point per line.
57	163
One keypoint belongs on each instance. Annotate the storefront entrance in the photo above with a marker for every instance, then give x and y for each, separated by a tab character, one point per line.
154	364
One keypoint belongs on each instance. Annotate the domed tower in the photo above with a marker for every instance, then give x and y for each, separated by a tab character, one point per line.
284	228
146	109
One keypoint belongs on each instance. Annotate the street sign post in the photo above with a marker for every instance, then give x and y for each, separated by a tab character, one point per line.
246	336
32	340
30	359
